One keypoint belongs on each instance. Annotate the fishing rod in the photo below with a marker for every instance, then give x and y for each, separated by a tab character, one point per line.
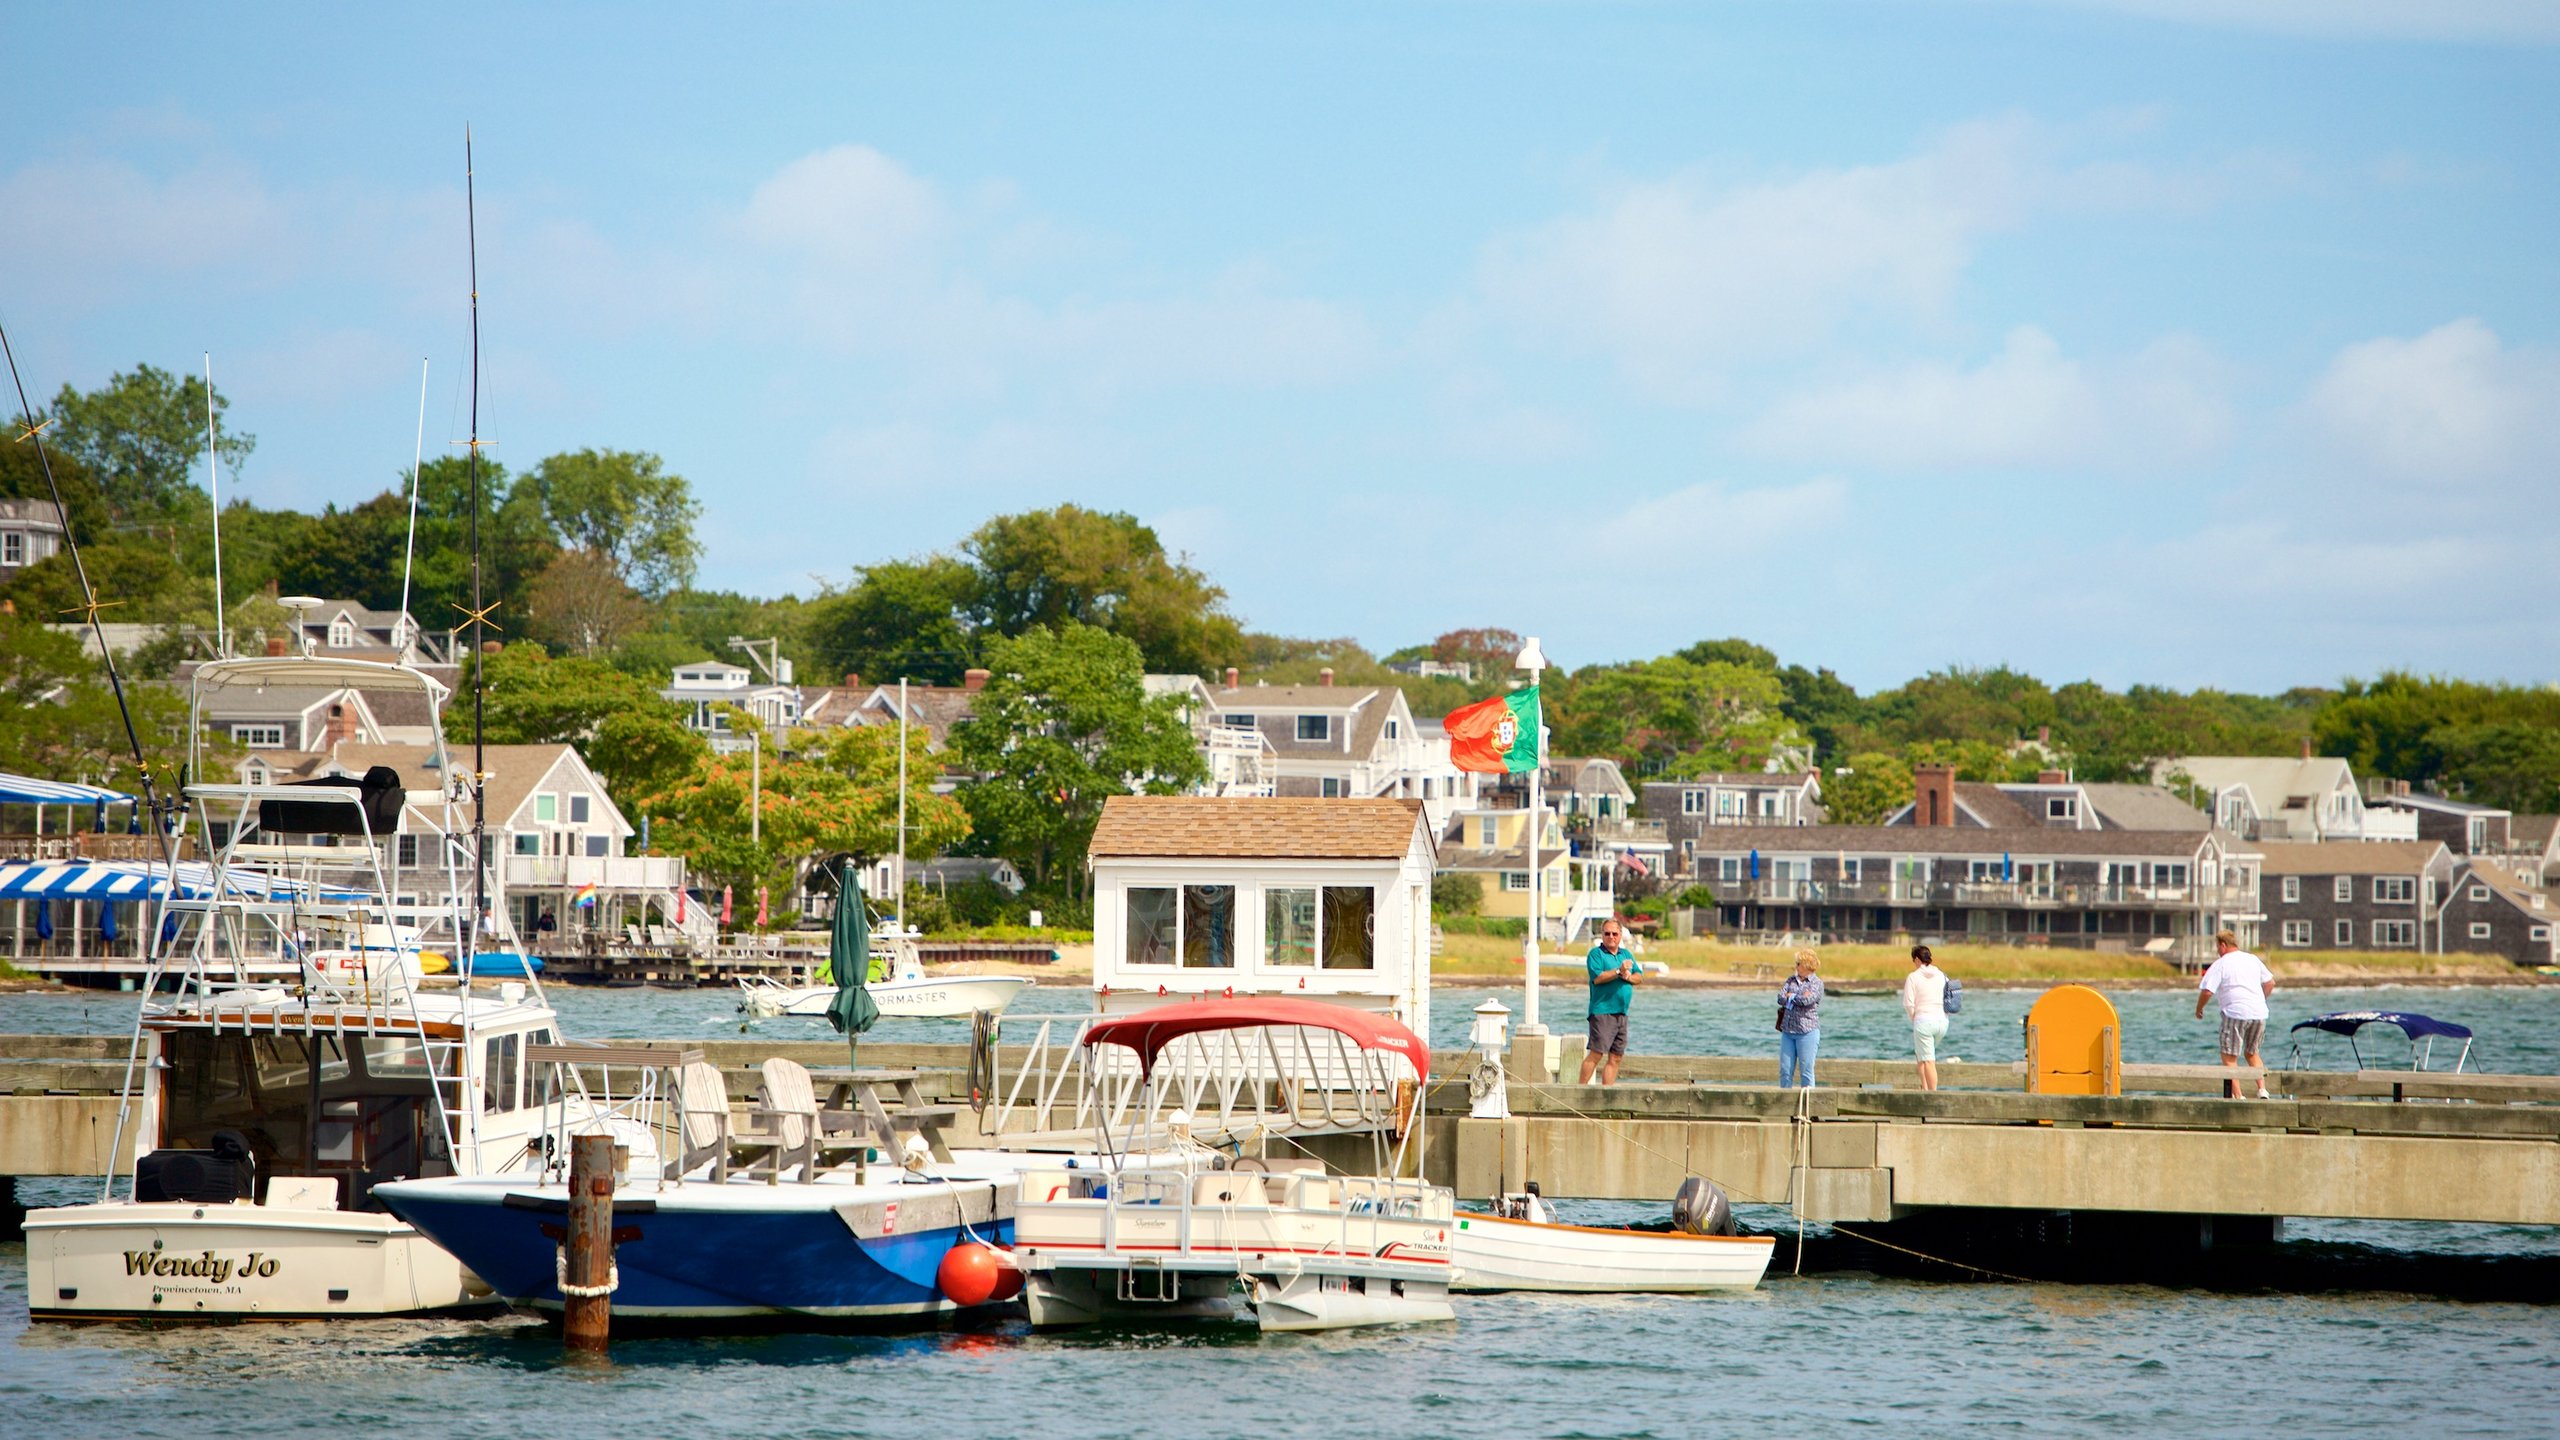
163	814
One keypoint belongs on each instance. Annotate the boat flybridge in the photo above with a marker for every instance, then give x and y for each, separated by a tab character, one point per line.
1165	1226
259	1114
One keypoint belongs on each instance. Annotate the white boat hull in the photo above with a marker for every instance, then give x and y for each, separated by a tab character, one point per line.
955	996
1495	1253
176	1260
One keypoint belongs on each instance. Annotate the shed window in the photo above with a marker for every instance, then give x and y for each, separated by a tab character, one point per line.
1349	939
1209	927
1289	926
2481	929
2479	894
1149	938
1315	727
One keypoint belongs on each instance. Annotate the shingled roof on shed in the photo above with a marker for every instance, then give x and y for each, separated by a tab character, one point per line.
1238	827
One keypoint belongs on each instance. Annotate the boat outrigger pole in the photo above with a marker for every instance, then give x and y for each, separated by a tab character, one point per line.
479	612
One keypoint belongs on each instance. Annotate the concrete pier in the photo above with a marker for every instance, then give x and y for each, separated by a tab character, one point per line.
2383	1145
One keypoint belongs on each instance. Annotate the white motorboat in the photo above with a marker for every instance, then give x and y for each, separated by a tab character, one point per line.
259	1117
1127	1238
901	988
1520	1245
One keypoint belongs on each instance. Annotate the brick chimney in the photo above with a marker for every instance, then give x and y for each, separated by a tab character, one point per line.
492	647
275	645
853	679
2306	747
1325	676
1933	795
1234	677
2044	734
342	726
974	680
2052	777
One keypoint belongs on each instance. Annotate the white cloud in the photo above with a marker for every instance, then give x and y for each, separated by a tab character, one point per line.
1771	515
1675	278
2029	405
2451	408
850	207
92	227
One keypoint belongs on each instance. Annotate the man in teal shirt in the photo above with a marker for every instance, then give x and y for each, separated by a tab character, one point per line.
1613	984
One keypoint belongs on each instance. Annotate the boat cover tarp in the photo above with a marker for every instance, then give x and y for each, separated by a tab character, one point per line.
2415	1026
122	880
1150	1031
27	790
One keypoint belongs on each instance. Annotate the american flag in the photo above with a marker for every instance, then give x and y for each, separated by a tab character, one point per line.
1633	861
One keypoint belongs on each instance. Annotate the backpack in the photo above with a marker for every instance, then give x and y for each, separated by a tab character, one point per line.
1954	1001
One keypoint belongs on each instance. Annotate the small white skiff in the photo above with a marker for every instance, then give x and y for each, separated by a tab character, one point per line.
1535	1252
901	988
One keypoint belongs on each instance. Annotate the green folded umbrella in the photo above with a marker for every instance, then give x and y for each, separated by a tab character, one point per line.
849	955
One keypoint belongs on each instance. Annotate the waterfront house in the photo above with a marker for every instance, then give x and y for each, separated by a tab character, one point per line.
30	531
706	689
1246	895
2052	800
2488	909
2161	890
2278	797
2354	894
1690	810
2534	849
2466	829
1490	847
1331	741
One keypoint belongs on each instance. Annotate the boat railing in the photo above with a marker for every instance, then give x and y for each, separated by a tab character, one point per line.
1354	1216
653	1104
1269	1078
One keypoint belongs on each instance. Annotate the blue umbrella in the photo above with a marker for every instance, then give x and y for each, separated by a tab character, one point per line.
168	928
101	826
2007	871
44	919
107	920
1755	864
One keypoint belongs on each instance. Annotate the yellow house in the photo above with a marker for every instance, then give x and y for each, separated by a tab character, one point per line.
1491	847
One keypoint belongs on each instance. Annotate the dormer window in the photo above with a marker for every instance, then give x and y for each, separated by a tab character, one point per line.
1315	728
342	634
2062	807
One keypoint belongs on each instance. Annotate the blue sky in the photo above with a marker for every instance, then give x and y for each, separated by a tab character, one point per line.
2139	340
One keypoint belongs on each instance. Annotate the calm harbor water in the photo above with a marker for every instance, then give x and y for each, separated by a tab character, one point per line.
1805	1355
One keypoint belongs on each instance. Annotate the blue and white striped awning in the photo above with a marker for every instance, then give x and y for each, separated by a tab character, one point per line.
122	880
27	790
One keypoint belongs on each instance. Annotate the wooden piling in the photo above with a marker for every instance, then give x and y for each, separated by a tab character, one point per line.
587	1296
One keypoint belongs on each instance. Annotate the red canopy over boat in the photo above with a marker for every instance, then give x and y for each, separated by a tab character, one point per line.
1152	1030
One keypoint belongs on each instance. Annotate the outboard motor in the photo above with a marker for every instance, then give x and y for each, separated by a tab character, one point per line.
1701	1208
218	1176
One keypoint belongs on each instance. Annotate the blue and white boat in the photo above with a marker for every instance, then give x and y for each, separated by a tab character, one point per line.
799	1216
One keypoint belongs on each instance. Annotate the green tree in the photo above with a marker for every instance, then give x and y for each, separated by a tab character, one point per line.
1874	785
580	604
625	506
1733	651
1674	716
2512	766
1065	723
1088	567
1825	707
634	739
59	720
900	618
142	434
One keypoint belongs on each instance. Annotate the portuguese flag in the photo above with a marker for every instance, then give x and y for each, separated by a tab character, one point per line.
1499	735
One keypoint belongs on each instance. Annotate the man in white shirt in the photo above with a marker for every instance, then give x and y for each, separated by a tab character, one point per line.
2241	983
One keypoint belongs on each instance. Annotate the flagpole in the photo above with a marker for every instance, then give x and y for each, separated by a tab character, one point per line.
1534	660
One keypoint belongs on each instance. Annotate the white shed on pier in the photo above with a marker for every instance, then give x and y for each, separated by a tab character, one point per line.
1254	895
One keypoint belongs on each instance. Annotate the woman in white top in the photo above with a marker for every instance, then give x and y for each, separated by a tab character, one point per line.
1924	999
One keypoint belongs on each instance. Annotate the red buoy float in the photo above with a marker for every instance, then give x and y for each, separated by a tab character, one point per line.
975	1273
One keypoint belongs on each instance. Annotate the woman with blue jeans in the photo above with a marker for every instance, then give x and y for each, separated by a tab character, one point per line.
1799	1021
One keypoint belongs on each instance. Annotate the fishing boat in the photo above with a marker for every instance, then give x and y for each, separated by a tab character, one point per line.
260	1115
1197	1234
1520	1245
899	986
